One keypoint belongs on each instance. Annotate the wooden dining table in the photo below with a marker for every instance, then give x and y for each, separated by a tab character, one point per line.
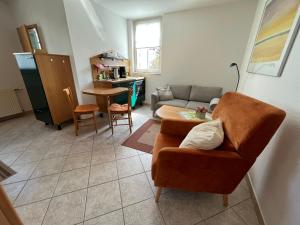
105	91
103	94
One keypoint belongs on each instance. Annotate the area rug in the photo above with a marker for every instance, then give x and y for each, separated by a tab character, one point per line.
143	138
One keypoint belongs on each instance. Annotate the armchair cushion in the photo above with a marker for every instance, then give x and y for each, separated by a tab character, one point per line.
206	136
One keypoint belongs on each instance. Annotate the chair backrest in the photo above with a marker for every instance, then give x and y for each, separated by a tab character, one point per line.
248	123
130	91
69	94
129	97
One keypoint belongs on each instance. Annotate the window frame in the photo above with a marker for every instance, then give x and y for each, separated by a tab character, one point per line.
141	21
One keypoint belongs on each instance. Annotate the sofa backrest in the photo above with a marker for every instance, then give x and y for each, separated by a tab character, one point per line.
204	94
248	123
181	91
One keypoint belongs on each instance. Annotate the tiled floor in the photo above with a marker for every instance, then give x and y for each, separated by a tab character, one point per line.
93	180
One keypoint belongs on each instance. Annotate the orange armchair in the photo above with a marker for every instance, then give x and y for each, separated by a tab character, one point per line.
248	125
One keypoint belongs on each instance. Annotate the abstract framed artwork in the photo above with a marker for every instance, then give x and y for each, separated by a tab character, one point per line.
277	32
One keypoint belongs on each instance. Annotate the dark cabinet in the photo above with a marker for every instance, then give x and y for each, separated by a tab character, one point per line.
45	76
138	94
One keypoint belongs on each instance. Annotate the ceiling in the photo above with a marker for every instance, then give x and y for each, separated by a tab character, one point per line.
133	9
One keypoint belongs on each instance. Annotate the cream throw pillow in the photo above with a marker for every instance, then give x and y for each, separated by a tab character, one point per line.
164	94
205	136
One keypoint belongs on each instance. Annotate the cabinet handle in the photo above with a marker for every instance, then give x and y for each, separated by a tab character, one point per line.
51	60
63	61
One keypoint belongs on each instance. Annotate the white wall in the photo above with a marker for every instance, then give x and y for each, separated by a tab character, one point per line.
276	174
199	45
10	77
93	30
51	19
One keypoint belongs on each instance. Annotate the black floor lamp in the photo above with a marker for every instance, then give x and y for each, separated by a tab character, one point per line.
238	73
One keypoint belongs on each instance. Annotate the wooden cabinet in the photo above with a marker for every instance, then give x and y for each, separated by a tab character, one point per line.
56	74
45	76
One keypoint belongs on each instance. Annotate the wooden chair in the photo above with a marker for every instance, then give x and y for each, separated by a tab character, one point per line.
79	110
115	112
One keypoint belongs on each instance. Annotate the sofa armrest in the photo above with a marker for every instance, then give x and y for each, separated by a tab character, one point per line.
177	127
154	100
213	103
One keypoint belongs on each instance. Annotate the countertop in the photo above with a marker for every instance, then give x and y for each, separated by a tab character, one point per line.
120	80
105	91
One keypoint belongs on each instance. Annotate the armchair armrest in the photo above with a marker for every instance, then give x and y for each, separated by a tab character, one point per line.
177	127
154	100
199	170
199	159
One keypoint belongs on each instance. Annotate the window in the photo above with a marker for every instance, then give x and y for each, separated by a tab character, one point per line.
147	43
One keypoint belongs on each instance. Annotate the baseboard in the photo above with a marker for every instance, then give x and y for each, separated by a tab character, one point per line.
11	116
15	115
256	205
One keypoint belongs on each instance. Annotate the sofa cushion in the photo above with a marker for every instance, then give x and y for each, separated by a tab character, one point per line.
204	94
181	91
194	105
174	102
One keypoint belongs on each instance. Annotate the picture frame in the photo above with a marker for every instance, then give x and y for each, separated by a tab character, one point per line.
277	31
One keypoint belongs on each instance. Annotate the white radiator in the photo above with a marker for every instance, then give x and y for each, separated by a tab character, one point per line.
9	103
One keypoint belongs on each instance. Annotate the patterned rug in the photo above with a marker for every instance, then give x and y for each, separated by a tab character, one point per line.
143	138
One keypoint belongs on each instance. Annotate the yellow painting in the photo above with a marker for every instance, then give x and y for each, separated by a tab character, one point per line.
277	24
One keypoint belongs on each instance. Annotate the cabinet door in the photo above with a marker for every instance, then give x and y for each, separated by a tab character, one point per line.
68	80
52	72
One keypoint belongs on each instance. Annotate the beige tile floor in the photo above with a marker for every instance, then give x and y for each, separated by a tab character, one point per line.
93	180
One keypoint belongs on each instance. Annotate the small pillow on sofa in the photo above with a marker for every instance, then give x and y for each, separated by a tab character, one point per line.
205	136
164	94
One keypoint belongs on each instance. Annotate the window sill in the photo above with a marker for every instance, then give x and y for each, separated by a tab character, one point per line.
146	73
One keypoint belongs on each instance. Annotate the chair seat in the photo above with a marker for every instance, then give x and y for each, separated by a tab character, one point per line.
86	108
118	108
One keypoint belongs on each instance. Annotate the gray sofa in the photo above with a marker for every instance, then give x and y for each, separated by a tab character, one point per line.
187	96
